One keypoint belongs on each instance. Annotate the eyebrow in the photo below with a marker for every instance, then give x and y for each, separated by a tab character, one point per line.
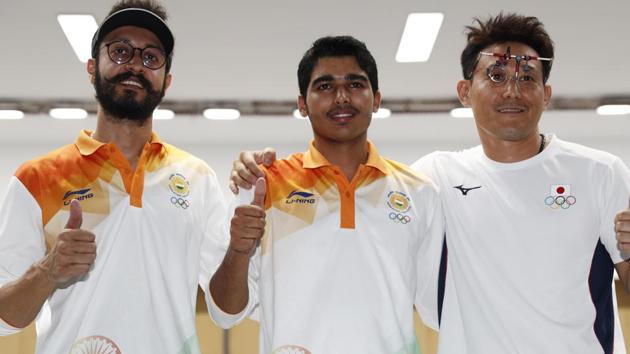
531	68
349	77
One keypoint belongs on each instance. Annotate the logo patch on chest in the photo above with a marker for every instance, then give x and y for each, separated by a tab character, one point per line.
400	204
300	197
560	197
465	190
79	195
179	186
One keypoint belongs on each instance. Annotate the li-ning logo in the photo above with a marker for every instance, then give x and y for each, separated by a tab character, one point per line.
560	197
95	344
465	190
81	194
297	197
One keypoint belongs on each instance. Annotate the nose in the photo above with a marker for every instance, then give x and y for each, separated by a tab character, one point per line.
136	64
342	96
512	89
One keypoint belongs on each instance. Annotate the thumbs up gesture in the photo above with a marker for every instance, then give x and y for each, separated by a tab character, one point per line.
622	230
248	222
74	250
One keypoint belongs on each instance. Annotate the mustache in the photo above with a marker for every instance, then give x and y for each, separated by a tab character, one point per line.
342	108
124	76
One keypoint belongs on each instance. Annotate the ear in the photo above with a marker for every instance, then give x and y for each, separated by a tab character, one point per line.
167	81
301	103
377	101
547	97
91	69
463	92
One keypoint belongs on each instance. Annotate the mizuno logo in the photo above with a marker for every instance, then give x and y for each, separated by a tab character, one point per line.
81	195
465	190
300	198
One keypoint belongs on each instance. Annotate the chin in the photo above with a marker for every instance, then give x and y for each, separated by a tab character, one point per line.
514	134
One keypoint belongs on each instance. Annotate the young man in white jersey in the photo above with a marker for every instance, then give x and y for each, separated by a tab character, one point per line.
530	244
104	241
332	217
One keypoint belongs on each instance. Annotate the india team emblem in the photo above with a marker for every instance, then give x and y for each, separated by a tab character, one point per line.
179	185
181	188
560	196
95	345
398	201
290	349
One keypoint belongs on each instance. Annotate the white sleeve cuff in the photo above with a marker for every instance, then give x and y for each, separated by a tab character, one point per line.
223	319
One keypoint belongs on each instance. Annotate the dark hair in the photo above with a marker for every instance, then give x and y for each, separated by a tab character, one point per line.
510	27
337	46
149	5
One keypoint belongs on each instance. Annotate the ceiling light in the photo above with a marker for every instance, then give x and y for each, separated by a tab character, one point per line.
382	113
462	113
11	114
79	30
68	113
418	37
221	114
298	115
163	114
613	109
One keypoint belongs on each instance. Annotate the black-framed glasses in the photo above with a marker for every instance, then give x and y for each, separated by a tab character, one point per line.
121	52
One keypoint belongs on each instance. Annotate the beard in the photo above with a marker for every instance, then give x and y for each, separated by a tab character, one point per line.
126	106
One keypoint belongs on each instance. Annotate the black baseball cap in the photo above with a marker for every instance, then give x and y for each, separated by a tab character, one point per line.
135	17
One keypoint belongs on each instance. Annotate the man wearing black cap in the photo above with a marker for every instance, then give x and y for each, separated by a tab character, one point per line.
103	241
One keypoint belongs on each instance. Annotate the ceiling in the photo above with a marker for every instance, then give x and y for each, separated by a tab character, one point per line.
248	50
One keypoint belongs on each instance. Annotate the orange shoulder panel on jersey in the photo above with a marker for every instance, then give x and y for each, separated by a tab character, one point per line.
407	175
288	175
50	177
169	155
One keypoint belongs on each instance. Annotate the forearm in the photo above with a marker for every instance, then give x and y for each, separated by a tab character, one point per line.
22	299
228	286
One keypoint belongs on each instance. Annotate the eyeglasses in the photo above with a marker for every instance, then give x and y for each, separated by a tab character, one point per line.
121	52
498	72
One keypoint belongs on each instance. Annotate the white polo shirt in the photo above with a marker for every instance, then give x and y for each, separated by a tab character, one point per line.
531	250
154	228
343	263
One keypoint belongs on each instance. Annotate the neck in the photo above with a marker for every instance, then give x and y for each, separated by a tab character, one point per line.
348	156
128	136
507	151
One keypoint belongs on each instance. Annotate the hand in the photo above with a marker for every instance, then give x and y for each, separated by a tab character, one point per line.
622	230
74	251
245	170
248	222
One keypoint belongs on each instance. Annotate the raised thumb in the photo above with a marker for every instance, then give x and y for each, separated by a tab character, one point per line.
259	192
76	215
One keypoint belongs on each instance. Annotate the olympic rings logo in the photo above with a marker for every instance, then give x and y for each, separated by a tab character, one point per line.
560	201
180	202
396	217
